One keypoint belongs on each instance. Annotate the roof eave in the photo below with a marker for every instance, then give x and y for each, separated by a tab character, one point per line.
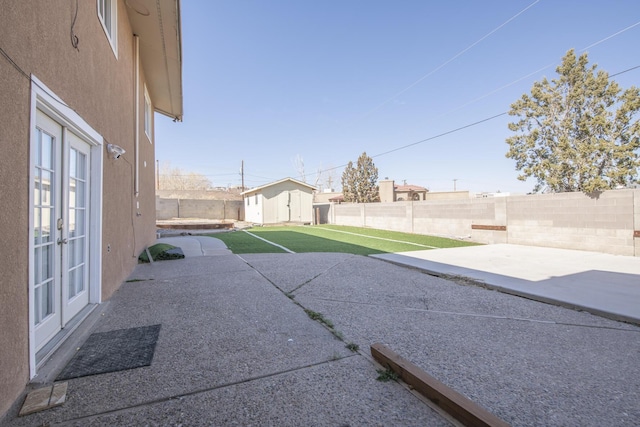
253	190
158	26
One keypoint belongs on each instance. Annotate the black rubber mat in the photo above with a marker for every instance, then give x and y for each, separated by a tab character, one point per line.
113	351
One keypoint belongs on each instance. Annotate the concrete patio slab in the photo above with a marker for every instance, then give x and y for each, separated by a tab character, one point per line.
197	245
603	284
527	362
232	350
236	348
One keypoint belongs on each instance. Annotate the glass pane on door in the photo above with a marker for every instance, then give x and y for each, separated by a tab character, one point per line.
44	227
77	213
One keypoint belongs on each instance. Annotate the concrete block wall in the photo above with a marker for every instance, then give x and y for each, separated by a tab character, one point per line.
391	216
167	208
609	223
209	209
575	221
351	214
199	208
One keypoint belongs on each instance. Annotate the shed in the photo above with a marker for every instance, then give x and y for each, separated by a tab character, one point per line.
286	200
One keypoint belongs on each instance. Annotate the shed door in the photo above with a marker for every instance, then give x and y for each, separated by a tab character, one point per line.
295	203
283	207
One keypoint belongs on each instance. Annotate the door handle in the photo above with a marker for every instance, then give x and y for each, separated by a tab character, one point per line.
62	241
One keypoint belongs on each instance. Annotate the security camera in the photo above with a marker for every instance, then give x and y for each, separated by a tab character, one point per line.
115	151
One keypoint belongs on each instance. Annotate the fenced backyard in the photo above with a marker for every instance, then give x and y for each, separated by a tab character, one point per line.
608	222
321	238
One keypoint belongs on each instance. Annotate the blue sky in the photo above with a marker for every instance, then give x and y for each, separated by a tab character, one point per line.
269	81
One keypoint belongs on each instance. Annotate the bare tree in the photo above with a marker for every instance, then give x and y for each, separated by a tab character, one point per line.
326	178
177	179
330	178
298	163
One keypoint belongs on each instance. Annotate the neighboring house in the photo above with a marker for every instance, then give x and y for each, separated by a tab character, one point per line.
79	83
389	192
410	192
287	200
322	205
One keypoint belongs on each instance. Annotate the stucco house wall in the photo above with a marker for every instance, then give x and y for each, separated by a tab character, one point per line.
90	84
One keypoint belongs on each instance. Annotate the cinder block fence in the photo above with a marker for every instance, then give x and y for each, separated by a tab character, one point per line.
199	208
608	223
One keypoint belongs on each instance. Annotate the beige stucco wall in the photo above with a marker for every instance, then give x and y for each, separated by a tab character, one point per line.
324	197
14	319
385	190
100	88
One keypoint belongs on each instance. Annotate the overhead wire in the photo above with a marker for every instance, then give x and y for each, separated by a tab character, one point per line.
540	70
460	128
611	36
497	90
453	58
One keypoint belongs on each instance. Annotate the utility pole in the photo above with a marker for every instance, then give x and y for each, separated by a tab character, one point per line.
242	173
454	184
157	174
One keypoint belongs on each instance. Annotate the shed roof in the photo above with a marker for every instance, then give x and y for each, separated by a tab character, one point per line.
271	184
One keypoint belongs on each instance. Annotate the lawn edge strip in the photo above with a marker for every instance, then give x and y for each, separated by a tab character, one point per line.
379	238
458	406
270	242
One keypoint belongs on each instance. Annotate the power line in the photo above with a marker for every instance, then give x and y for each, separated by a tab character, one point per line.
477	99
542	69
431	138
440	135
425	140
453	130
456	56
611	36
625	71
191	174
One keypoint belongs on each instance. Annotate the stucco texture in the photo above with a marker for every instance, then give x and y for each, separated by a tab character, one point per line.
100	87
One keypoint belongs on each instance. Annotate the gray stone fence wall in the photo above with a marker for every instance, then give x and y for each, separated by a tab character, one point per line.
609	223
199	208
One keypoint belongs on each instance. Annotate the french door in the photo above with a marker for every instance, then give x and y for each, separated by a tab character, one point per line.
61	181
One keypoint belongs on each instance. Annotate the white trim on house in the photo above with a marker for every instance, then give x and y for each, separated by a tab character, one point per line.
148	115
45	100
108	16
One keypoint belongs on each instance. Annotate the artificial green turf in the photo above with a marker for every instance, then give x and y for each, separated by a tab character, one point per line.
327	239
159	253
303	239
438	242
240	242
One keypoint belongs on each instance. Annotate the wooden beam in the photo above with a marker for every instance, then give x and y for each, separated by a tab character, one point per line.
489	227
636	233
458	406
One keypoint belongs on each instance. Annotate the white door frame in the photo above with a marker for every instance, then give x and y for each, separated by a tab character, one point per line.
45	100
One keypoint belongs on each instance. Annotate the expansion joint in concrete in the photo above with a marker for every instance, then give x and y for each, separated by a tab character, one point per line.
151	402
